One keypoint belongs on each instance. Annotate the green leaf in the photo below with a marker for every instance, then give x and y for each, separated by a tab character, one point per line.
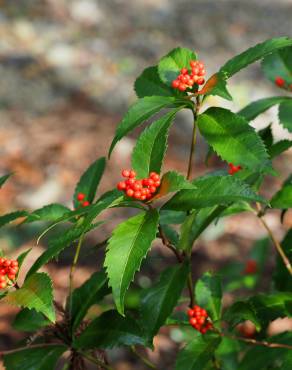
253	54
89	181
3	179
44	357
56	245
278	64
216	85
149	84
198	353
285	114
9	217
30	320
208	293
150	148
233	139
89	293
254	109
159	300
110	330
127	247
239	312
227	353
51	212
172	181
279	147
211	191
186	238
139	112
170	65
36	292
283	198
281	276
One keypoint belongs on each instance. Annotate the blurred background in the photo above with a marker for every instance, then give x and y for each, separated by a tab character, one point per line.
67	69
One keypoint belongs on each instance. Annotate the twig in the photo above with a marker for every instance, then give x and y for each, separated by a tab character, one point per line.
143	359
43	345
168	244
194	137
96	361
277	245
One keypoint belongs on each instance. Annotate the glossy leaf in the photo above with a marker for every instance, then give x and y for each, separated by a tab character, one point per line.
208	292
159	300
89	181
110	330
285	113
41	358
149	84
150	148
170	65
9	217
51	212
279	147
216	85
129	244
254	109
198	353
239	312
211	191
89	293
278	64
30	320
139	112
233	139
36	292
283	198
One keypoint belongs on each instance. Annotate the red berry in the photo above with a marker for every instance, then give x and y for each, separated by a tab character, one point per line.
121	185
143	197
85	204
203	330
184	71
193	321
2	278
201	81
204	312
80	196
14	263
137	194
7	263
182	87
190	312
3	285
157	183
132	174
130	192
2	271
11	276
279	81
137	186
202	72
125	173
175	84
250	267
152	189
154	176
193	63
2	260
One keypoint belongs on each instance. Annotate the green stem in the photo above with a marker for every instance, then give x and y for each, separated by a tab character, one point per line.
96	361
72	270
143	359
194	137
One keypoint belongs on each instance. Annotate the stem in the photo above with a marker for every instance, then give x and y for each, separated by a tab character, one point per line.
72	270
194	137
277	245
43	345
168	244
96	361
191	289
143	359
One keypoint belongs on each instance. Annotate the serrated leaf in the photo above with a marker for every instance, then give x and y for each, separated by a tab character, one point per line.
279	147
149	84
239	312
159	300
110	330
186	239
283	198
172	217
44	357
285	114
254	109
89	293
253	54
51	212
172	181
281	276
170	65
127	247
278	64
150	148
89	181
211	191
9	217
208	292
216	85
4	178
29	320
139	112
36	292
233	139
198	353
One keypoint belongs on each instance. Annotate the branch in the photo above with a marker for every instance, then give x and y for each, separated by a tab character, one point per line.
194	137
43	345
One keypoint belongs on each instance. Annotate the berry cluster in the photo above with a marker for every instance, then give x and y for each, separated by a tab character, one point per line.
186	80
250	267
81	199
233	169
8	271
199	319
139	189
280	82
